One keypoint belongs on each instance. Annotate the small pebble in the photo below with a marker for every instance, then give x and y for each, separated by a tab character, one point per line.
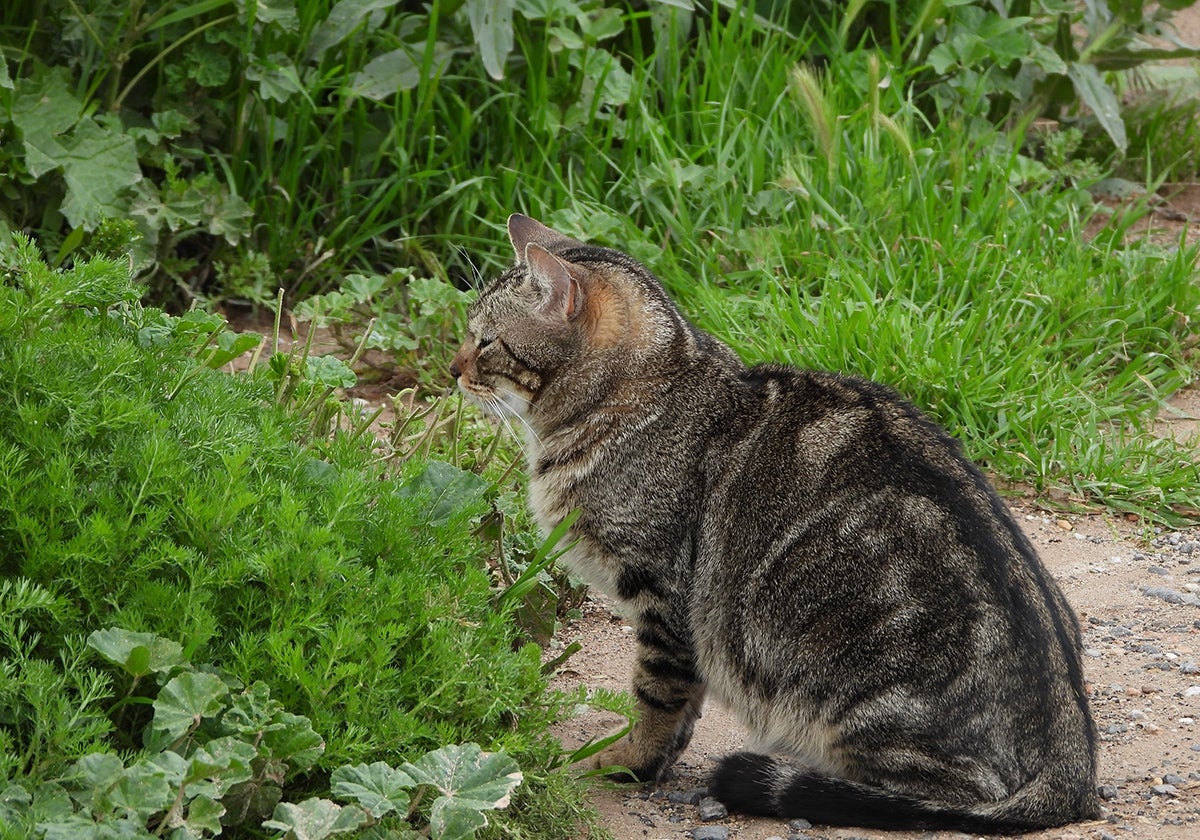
1174	779
799	824
1108	791
686	797
1189	668
1171	596
711	832
1115	729
711	809
1164	790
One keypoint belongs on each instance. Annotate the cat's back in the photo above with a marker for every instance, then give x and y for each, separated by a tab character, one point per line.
819	439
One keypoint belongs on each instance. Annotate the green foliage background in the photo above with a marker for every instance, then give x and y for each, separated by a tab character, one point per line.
897	190
194	513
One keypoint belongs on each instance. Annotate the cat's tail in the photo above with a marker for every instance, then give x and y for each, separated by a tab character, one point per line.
757	784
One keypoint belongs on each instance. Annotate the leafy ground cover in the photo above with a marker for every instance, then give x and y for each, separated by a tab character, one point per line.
205	609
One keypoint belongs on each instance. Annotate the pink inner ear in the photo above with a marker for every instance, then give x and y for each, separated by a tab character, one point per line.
553	277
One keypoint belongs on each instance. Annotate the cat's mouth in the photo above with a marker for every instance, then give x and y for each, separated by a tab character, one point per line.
499	403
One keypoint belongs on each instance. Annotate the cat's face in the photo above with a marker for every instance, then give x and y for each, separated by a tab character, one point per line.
526	326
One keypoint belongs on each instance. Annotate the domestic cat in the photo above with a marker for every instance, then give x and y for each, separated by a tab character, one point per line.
805	547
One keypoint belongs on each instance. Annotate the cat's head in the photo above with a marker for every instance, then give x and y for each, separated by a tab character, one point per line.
565	320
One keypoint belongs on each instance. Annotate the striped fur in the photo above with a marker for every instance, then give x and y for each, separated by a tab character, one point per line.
804	547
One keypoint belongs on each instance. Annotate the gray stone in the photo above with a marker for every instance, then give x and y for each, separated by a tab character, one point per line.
1171	596
1164	790
1174	779
799	824
1108	791
686	797
711	809
710	832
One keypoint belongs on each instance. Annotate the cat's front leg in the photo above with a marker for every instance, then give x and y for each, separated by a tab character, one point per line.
669	698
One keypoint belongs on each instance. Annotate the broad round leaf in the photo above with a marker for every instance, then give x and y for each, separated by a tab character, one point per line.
315	819
377	787
183	702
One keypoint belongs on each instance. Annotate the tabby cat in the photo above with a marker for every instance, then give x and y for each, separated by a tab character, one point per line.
805	547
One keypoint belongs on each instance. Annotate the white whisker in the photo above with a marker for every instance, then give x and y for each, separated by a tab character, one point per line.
506	415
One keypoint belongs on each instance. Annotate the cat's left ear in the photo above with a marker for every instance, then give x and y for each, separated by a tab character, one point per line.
556	282
524	231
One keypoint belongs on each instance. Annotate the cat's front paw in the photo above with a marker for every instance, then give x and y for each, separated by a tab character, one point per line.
628	763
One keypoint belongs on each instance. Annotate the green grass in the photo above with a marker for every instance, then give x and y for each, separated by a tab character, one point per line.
823	220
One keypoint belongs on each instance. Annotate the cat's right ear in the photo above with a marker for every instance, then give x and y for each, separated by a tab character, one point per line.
557	286
524	231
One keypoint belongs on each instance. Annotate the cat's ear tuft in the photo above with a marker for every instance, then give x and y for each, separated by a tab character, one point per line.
524	231
555	281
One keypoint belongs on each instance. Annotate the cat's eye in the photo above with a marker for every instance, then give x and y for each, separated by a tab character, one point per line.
483	342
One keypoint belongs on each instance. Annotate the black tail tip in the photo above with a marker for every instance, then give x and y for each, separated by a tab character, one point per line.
745	782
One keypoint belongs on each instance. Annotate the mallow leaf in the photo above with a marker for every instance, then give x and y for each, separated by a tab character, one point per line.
470	781
450	489
315	819
138	654
182	703
378	787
